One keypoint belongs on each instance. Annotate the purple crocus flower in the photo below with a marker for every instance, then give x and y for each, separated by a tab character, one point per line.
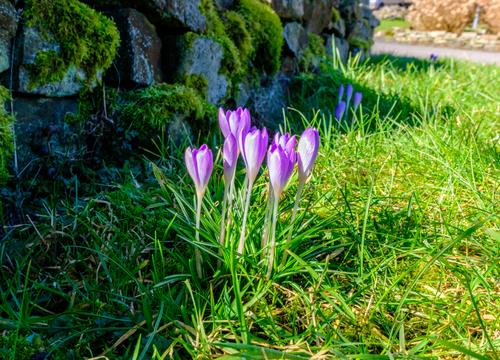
229	157
349	92
253	149
433	57
280	164
307	152
341	92
357	100
232	122
199	164
339	110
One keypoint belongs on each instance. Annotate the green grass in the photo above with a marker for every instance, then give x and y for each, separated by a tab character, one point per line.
394	254
388	26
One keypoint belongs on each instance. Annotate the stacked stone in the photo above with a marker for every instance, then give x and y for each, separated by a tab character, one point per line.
154	49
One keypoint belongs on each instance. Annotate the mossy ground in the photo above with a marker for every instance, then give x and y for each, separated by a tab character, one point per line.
88	40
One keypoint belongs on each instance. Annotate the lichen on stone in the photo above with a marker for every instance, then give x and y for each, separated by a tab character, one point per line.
6	136
88	40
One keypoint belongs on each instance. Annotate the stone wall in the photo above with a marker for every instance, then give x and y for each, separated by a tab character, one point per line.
218	52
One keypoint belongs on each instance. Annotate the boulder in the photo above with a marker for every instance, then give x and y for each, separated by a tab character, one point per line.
295	37
289	9
41	130
341	45
317	14
8	26
203	56
31	43
139	57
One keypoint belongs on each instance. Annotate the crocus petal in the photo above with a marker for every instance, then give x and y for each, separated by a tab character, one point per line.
234	123
205	163
190	165
254	145
357	100
307	152
223	122
341	92
279	168
229	157
349	91
339	110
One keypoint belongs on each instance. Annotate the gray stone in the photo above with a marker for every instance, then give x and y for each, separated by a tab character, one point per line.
8	26
175	13
203	57
139	56
295	37
32	42
41	130
341	45
179	132
338	27
317	14
267	102
289	9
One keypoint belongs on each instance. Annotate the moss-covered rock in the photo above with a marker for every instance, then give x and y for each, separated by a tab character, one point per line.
6	135
155	107
313	53
266	32
87	39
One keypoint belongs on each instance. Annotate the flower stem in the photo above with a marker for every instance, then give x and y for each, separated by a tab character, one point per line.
267	218
223	218
196	249
292	220
273	239
241	244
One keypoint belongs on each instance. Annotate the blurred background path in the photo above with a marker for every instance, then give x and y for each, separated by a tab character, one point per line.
424	52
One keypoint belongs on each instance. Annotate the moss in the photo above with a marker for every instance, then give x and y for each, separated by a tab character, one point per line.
6	135
87	39
335	15
232	64
198	83
155	106
266	32
360	43
236	29
314	51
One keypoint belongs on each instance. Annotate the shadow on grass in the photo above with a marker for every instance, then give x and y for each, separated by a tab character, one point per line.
312	92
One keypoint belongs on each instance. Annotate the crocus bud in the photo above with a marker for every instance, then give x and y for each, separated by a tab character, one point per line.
349	91
253	150
307	152
280	165
339	110
341	92
229	157
232	122
357	100
199	164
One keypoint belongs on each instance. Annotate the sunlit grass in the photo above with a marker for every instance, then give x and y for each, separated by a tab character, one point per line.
394	253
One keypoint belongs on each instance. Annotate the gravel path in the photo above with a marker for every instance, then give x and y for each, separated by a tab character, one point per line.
424	51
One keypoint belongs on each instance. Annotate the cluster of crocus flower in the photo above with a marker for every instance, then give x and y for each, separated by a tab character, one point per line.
342	105
253	145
